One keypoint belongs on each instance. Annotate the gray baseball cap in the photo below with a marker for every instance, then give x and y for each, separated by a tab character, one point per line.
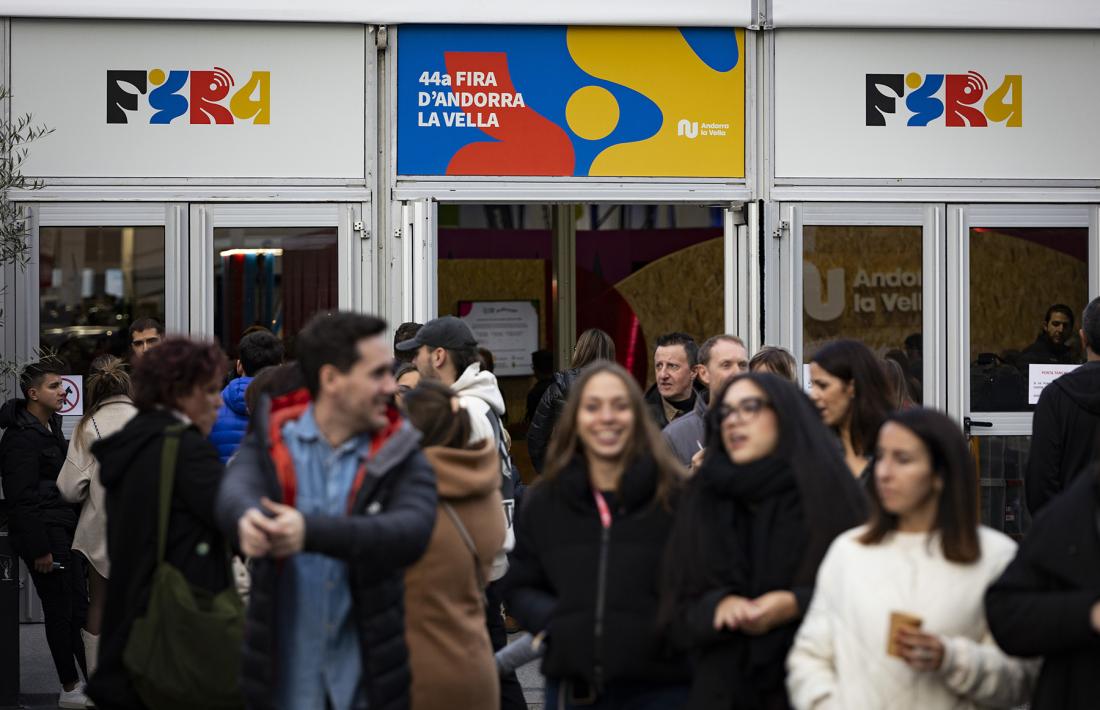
446	332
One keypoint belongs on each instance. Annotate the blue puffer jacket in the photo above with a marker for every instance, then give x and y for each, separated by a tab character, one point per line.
232	421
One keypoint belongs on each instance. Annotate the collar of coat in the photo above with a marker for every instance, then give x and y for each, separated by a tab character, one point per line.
377	461
637	487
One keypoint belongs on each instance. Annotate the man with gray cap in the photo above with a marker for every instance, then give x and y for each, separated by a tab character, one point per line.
446	350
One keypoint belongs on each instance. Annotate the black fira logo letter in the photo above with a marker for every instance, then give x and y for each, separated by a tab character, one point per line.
119	98
878	103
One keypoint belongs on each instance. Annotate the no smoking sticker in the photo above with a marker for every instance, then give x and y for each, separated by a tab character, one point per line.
72	387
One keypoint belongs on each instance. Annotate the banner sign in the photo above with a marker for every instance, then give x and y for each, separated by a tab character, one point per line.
191	100
571	101
935	105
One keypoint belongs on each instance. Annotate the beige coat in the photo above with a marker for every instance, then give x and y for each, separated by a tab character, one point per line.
449	651
79	479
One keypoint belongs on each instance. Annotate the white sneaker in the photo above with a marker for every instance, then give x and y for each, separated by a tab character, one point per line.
74	698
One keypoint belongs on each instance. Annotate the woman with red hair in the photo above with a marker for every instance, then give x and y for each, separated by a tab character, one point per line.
177	390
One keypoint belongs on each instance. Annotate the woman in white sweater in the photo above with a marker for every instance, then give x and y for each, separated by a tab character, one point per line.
109	409
897	619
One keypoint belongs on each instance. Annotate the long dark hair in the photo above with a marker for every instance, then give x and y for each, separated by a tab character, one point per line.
645	440
957	514
852	361
832	501
428	406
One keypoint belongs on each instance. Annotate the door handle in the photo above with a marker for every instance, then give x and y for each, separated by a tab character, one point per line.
969	423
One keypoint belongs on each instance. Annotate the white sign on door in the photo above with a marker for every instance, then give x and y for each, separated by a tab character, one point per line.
509	329
191	99
1039	376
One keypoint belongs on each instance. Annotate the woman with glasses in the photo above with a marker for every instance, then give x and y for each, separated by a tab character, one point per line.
589	541
752	527
850	390
897	618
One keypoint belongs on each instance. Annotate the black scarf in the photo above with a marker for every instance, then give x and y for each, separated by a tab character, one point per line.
755	516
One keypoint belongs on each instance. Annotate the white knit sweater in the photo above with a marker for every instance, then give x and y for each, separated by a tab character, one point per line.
839	657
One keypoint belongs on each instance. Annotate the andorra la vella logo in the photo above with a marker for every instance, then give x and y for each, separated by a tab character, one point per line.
694	129
952	100
194	96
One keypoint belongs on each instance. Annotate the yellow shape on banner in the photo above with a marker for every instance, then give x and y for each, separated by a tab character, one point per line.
702	133
592	112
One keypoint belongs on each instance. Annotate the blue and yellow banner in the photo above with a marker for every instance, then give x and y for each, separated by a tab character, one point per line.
570	101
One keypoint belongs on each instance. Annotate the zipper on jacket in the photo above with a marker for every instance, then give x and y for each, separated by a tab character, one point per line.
601	595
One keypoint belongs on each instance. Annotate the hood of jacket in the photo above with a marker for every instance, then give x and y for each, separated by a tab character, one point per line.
14	413
483	385
118	451
233	395
465	473
1082	386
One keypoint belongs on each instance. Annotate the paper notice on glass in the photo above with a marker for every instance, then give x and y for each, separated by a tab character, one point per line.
1039	376
509	329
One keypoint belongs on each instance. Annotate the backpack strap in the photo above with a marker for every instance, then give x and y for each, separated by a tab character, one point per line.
482	583
502	449
169	452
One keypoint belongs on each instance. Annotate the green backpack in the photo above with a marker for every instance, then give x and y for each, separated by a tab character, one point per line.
185	653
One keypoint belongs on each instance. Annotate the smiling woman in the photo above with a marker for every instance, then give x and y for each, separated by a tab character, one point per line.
594	593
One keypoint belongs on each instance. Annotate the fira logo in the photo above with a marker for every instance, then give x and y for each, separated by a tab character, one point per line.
689	129
197	93
957	98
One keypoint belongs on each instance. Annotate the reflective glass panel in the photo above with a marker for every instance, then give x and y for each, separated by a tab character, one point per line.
94	281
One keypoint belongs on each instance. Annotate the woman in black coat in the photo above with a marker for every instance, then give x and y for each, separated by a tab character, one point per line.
752	528
586	565
594	344
179	381
1047	603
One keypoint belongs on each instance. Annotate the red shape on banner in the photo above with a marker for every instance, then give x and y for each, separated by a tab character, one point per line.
526	142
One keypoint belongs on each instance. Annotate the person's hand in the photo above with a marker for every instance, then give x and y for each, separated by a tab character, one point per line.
1096	617
253	530
923	652
733	611
775	609
696	461
44	564
289	529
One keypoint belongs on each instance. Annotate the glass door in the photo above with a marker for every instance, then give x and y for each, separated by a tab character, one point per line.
869	272
272	266
1020	280
94	270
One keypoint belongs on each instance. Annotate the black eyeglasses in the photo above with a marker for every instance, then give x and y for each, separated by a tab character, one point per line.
747	410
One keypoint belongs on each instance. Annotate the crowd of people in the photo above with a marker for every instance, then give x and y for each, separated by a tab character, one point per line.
348	529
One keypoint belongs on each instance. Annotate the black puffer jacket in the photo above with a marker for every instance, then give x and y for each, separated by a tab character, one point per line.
1041	604
547	414
388	530
31	455
557	574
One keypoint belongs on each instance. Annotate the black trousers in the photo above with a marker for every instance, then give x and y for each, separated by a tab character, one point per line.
64	597
511	692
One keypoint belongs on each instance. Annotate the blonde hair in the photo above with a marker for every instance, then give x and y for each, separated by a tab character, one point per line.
107	378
